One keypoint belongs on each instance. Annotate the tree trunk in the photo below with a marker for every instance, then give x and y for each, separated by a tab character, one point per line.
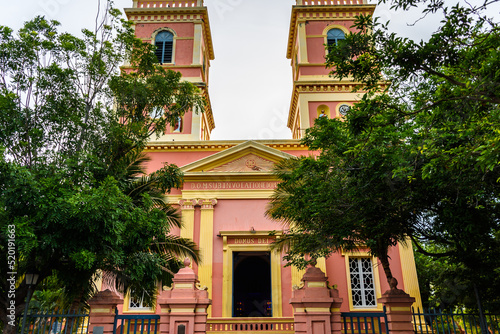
17	320
384	260
7	329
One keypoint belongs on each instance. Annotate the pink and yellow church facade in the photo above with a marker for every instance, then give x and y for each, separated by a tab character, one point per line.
227	184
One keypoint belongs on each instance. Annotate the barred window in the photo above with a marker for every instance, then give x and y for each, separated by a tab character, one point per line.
362	282
164	47
334	35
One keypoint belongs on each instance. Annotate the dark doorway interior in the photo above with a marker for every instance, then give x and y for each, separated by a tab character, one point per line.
252	284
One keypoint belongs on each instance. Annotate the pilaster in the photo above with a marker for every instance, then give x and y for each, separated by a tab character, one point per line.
187	208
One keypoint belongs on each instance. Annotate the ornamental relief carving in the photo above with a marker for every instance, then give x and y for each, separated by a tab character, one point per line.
248	163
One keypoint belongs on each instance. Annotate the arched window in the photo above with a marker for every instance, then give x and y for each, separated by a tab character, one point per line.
164	46
334	35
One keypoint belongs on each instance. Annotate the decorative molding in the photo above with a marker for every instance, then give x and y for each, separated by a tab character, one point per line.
207	204
247	163
290	144
188	204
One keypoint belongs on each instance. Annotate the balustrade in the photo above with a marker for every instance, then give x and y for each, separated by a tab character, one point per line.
265	325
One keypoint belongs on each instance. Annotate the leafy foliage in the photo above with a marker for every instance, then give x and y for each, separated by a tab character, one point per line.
72	180
417	156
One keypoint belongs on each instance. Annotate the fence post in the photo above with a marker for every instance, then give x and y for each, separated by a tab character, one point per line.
102	312
399	316
316	307
183	309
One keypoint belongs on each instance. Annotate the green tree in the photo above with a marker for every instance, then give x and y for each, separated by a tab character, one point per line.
72	126
417	157
342	199
446	92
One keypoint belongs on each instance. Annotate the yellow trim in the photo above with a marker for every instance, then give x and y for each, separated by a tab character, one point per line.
363	254
186	38
227	277
248	233
206	245
183	286
410	277
399	309
317	309
217	146
229	194
181	310
187	212
334	26
316	284
302	44
335	309
100	310
297	276
321	264
198	31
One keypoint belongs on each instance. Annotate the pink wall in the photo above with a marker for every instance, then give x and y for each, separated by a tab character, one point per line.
178	158
183	47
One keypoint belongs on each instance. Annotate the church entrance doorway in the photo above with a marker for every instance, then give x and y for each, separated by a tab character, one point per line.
252	284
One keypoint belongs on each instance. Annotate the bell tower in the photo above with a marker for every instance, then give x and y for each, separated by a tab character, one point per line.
313	25
181	32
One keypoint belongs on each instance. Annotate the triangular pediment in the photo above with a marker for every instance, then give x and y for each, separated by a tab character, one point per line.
248	157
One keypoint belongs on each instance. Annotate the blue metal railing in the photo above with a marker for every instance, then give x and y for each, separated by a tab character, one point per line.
365	322
136	324
54	322
439	322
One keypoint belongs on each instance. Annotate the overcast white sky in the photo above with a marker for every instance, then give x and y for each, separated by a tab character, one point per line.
250	90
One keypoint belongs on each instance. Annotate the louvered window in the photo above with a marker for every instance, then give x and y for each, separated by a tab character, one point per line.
164	47
362	282
334	35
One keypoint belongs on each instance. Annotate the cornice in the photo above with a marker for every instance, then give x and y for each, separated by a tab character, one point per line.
208	110
316	87
220	145
175	11
321	13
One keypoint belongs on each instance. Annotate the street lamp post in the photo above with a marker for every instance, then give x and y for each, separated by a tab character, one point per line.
30	281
